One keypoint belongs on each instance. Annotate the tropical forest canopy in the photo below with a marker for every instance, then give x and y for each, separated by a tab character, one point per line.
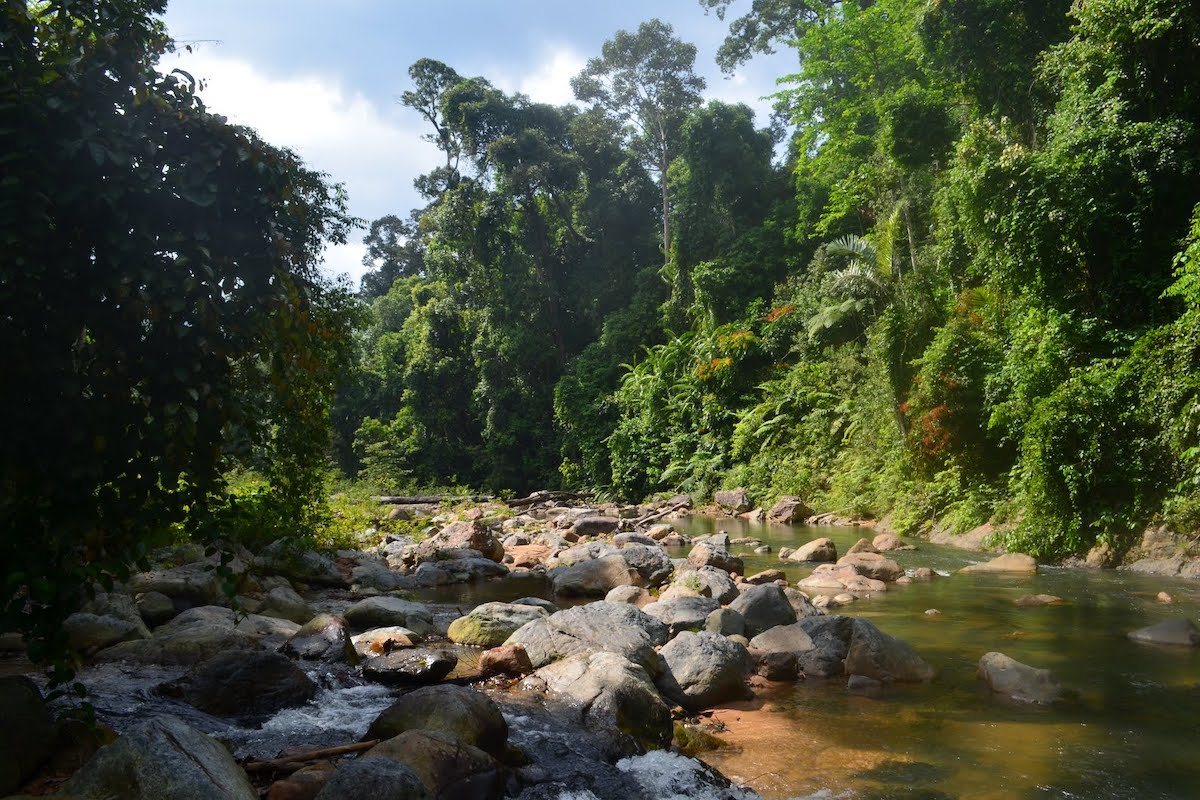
956	279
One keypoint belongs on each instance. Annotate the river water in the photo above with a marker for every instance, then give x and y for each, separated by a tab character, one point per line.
1133	730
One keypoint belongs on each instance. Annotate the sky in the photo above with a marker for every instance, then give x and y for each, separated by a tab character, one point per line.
324	78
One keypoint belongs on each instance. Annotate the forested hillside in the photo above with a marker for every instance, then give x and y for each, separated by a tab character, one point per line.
966	289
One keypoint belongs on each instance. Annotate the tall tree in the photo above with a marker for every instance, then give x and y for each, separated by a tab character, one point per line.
647	79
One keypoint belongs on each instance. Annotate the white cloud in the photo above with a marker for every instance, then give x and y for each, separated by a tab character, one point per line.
376	152
549	81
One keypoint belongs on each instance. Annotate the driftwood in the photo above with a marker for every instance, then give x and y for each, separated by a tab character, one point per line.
545	497
656	515
432	499
289	764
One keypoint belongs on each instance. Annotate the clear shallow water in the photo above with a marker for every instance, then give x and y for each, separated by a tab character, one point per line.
1132	732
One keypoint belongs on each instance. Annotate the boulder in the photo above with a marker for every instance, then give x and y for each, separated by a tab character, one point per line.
660	531
635	537
457	711
635	595
322	638
789	510
1017	563
703	669
651	562
27	737
88	632
594	526
600	626
801	604
198	634
612	691
507	659
763	607
711	554
491	624
822	549
378	641
374	778
285	557
766	576
449	769
726	622
1179	631
155	607
872	565
886	542
1018	681
877	655
189	585
1034	600
594	577
283	602
159	758
862	546
303	784
733	501
410	667
708	582
467	535
682	613
381	612
249	687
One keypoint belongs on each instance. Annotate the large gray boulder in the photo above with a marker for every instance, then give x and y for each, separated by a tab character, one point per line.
609	690
1180	632
763	607
491	624
707	553
249	686
283	602
885	658
189	585
872	565
382	612
708	582
682	613
600	626
734	501
88	632
200	633
1016	681
650	561
157	758
463	713
28	734
594	577
789	510
703	669
466	535
374	778
836	645
449	769
322	638
821	549
594	525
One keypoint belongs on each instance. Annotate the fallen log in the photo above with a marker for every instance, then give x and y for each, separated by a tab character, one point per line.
545	497
432	499
297	760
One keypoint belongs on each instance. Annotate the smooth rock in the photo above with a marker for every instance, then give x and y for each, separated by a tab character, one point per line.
726	622
1018	681
872	565
612	691
634	595
374	779
1179	631
703	669
1017	563
283	602
322	638
449	769
732	500
763	607
88	632
862	546
766	576
707	582
886	542
594	577
1032	600
822	549
412	666
491	624
197	634
600	626
883	657
378	641
383	612
161	758
650	561
457	711
789	510
155	607
28	732
249	687
682	613
594	526
709	554
507	659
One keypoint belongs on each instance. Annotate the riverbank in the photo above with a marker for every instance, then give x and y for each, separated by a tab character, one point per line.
659	660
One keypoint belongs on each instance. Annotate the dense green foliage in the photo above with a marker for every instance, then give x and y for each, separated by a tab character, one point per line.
967	292
164	315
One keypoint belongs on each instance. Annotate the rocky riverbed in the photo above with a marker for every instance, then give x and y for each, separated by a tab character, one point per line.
558	650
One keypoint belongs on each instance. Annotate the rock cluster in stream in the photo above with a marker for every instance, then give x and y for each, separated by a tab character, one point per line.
581	689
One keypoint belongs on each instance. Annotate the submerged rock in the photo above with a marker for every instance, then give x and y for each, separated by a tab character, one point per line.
1017	681
161	758
246	686
1017	563
1179	631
